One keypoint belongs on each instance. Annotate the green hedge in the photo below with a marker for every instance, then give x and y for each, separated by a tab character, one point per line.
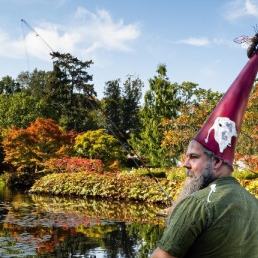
108	185
117	186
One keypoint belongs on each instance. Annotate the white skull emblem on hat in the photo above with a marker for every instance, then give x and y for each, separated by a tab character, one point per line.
224	129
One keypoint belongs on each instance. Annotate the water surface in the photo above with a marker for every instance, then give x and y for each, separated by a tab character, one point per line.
50	226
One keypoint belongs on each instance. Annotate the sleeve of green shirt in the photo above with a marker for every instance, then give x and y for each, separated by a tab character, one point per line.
187	221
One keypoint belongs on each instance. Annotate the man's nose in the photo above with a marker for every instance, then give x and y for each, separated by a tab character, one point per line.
186	163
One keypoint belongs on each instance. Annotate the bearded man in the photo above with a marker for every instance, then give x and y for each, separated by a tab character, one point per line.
214	215
196	180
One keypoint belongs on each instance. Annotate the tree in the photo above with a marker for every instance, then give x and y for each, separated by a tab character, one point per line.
179	131
62	99
160	102
167	110
9	86
19	109
2	155
247	151
130	106
26	149
112	102
69	91
121	107
65	92
34	83
98	145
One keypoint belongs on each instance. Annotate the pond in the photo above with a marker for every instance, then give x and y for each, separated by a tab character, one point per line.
50	226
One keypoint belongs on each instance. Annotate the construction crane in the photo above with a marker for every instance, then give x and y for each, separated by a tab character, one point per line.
37	35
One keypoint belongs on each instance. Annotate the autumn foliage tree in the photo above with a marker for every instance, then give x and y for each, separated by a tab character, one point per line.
247	149
26	149
179	131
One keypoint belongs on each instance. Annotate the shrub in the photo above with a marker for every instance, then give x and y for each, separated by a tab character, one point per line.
157	172
19	179
107	185
74	164
253	187
176	173
244	174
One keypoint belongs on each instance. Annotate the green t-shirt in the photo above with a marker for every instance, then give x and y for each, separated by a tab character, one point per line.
218	221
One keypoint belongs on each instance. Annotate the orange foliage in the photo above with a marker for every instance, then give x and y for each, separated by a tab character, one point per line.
179	131
247	149
30	147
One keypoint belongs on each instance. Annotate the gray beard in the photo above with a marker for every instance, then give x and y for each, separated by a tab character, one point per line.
194	183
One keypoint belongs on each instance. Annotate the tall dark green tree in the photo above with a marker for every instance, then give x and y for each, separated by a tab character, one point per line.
160	102
70	93
121	107
130	107
112	102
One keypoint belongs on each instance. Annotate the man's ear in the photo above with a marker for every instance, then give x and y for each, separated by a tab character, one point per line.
217	164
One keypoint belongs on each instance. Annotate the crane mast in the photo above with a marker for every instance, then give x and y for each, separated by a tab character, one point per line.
37	35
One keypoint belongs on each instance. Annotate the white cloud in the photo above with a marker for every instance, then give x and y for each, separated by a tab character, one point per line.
100	30
204	41
86	32
239	8
199	42
9	48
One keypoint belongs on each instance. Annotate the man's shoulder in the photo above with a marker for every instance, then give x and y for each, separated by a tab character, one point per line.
216	190
226	189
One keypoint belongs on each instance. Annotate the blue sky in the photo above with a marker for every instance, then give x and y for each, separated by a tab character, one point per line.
193	38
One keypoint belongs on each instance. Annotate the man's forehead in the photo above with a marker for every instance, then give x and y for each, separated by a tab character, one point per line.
194	147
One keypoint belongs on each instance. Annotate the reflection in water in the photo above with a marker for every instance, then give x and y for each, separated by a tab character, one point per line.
44	226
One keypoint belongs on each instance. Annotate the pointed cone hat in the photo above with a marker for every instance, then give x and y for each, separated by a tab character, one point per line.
220	131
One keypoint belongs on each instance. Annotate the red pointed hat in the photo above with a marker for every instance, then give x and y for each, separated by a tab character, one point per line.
220	131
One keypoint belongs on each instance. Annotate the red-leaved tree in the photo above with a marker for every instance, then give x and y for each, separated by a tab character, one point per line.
26	149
